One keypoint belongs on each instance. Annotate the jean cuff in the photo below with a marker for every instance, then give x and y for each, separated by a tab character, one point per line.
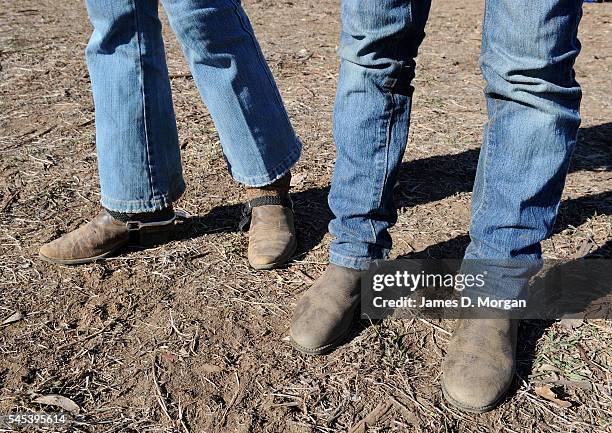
153	204
358	263
274	173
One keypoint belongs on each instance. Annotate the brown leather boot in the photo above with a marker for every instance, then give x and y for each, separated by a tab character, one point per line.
272	239
480	363
101	237
323	316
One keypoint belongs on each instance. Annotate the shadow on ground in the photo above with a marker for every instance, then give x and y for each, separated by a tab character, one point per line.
426	180
435	178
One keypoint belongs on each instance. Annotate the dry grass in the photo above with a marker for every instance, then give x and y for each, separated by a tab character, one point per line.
185	337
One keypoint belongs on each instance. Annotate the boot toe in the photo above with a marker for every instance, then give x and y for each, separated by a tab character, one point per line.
267	253
308	338
473	383
97	239
49	251
473	392
314	330
323	316
307	341
479	365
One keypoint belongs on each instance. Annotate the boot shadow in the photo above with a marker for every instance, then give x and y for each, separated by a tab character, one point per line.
420	181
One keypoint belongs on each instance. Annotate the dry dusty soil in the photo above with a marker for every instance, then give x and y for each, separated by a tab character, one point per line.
186	337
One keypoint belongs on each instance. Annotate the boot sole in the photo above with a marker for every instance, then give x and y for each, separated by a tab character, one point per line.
283	260
80	261
479	409
323	350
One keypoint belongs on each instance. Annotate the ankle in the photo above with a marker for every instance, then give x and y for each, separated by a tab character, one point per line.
278	188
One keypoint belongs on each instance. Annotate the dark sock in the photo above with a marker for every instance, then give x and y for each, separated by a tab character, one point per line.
164	214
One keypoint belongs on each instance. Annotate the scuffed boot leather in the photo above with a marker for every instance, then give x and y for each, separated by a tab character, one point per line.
323	316
101	237
272	239
480	363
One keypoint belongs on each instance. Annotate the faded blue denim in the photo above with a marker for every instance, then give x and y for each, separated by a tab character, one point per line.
136	136
533	99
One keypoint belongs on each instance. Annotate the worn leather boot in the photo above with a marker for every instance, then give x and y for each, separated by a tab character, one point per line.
102	236
323	316
480	363
269	217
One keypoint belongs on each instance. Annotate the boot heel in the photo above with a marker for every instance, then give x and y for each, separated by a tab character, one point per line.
150	238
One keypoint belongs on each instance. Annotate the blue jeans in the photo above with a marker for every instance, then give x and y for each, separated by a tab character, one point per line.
136	137
527	58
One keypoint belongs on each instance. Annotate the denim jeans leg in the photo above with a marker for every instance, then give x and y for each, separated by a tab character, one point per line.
237	86
136	138
378	45
533	101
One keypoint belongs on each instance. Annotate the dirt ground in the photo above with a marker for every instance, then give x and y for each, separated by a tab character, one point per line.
186	337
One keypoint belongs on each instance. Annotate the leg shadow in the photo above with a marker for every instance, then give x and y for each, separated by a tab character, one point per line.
531	331
420	181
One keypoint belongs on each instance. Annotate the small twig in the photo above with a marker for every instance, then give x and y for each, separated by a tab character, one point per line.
175	329
232	401
370	419
160	398
436	327
180	417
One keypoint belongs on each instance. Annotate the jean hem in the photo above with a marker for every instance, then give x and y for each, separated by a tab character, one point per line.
273	174
153	204
358	263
